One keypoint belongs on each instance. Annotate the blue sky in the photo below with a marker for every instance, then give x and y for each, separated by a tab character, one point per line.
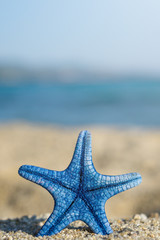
108	35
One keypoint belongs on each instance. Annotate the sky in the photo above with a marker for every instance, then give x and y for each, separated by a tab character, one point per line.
107	35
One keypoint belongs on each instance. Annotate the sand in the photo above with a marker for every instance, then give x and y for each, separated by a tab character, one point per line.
115	151
138	227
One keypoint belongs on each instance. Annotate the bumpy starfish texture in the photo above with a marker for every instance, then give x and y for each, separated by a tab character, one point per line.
80	192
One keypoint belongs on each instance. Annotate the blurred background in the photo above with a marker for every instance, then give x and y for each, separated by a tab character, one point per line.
67	66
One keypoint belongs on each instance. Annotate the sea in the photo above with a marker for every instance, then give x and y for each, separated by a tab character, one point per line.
122	103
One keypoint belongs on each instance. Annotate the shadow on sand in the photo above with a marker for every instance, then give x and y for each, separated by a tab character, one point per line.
25	224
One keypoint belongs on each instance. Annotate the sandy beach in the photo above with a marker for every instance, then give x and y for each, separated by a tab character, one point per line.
139	227
115	151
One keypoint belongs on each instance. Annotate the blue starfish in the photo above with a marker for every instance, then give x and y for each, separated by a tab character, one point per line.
80	192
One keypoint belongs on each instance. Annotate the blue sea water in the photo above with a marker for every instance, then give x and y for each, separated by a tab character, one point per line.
119	103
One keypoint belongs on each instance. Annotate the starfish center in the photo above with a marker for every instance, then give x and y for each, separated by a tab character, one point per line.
80	192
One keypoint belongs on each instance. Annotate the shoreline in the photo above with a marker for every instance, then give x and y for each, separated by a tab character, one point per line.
55	126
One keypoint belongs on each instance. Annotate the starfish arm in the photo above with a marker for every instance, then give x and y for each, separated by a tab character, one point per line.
112	185
82	154
62	215
48	179
93	214
101	227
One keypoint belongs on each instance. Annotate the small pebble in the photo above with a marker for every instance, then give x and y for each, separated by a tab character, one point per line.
154	215
143	217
